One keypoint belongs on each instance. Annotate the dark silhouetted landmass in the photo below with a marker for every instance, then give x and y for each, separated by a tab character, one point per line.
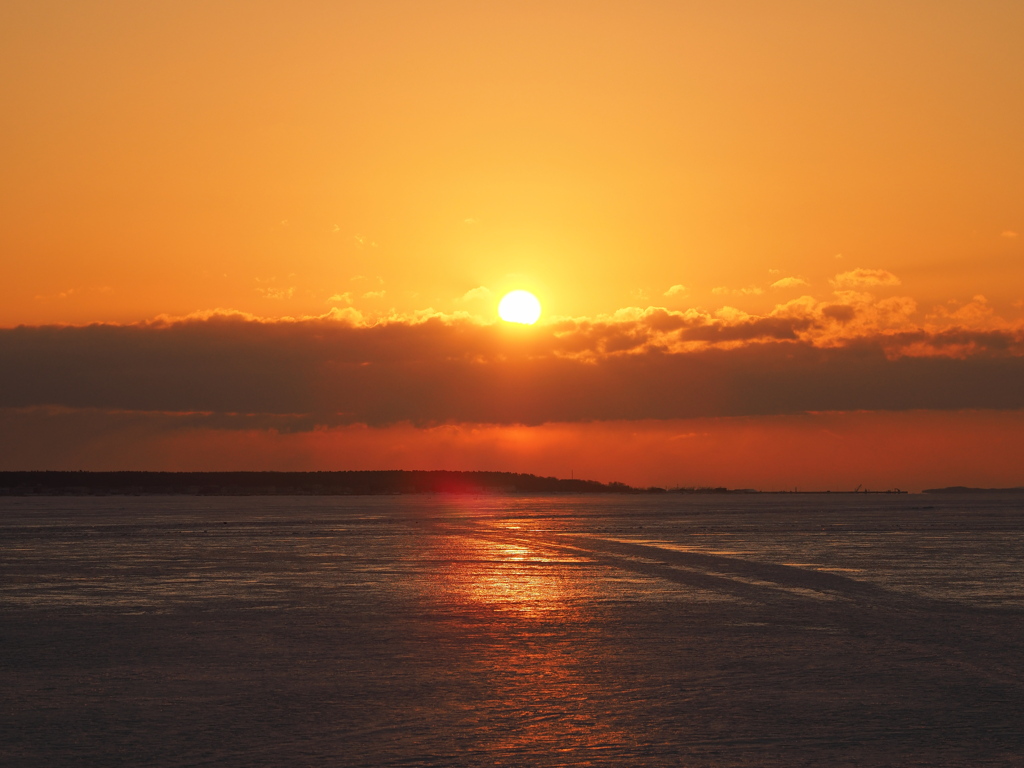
356	483
965	489
294	483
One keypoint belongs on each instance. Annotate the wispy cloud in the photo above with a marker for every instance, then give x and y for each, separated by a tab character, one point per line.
865	278
790	282
271	292
78	292
639	294
481	292
750	290
676	290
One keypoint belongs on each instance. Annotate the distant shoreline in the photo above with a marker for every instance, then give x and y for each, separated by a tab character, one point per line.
965	489
332	483
342	483
361	483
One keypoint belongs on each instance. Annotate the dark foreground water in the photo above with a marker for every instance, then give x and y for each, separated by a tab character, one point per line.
482	631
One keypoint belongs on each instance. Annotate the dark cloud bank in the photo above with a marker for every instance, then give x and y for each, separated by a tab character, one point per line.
294	375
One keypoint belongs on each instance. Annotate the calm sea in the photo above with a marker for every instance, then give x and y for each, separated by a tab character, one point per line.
769	630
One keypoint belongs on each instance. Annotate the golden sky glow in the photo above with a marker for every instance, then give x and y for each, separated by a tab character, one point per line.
671	178
283	158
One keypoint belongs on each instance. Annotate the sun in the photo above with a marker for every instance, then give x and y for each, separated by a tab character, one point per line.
519	307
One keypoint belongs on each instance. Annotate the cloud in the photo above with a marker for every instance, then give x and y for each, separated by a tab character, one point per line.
789	282
374	295
865	278
1009	233
277	293
675	290
760	329
750	290
72	292
976	313
343	368
480	292
341	297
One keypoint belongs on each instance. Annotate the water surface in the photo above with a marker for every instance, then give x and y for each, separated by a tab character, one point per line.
770	630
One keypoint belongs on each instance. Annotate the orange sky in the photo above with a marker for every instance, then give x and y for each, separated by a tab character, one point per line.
844	174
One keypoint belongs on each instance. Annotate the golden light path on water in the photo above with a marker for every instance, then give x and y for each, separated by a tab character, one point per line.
514	588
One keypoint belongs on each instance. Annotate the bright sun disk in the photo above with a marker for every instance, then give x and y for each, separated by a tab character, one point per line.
519	307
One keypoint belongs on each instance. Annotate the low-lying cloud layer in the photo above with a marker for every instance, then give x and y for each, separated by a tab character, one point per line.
854	353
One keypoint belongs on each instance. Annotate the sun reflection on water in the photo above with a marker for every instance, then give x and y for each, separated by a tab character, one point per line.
486	572
535	645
